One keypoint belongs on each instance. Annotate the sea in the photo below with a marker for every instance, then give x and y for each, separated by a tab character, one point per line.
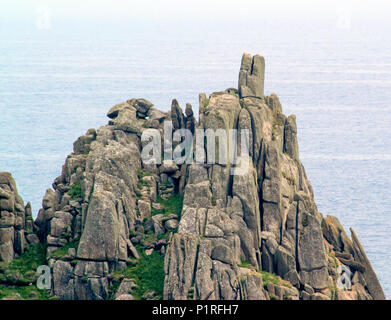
57	81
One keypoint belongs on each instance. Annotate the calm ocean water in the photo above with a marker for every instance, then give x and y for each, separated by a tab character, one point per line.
57	83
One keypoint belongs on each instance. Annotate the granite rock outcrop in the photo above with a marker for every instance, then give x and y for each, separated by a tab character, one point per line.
207	230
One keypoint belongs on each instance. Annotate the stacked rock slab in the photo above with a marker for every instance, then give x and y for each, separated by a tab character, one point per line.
16	225
101	204
93	204
233	228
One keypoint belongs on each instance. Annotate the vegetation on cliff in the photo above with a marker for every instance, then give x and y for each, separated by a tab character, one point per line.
18	278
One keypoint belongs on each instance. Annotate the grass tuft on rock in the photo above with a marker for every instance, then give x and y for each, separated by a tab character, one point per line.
147	272
248	265
31	259
173	205
75	191
267	277
143	173
63	251
142	183
17	278
23	293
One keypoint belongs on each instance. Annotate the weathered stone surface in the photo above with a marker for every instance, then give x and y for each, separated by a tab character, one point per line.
114	111
273	102
171	225
369	274
181	255
100	239
125	297
252	76
82	144
144	208
110	180
190	121
155	114
45	214
252	285
12	219
335	235
311	253
222	112
63	280
7	244
141	105
91	280
32	238
177	118
168	166
126	286
319	296
285	263
7	219
245	126
291	146
222	253
271	207
245	188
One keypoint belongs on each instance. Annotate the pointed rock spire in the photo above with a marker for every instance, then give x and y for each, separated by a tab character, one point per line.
252	76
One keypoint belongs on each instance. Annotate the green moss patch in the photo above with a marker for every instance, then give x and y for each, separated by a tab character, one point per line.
75	191
173	205
267	277
143	173
30	260
24	293
17	278
147	273
63	251
142	183
245	264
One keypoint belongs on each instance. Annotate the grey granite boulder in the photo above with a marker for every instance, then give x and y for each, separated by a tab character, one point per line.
12	219
252	76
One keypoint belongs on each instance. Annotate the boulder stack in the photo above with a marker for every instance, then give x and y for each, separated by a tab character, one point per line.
15	220
223	233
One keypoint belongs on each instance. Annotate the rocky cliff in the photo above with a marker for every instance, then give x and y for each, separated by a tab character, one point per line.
114	227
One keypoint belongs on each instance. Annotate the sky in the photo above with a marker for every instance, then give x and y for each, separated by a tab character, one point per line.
169	10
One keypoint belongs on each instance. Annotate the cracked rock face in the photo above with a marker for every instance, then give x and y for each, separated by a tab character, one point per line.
267	218
256	235
252	76
15	220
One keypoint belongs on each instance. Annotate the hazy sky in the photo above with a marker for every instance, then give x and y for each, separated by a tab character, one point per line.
190	9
